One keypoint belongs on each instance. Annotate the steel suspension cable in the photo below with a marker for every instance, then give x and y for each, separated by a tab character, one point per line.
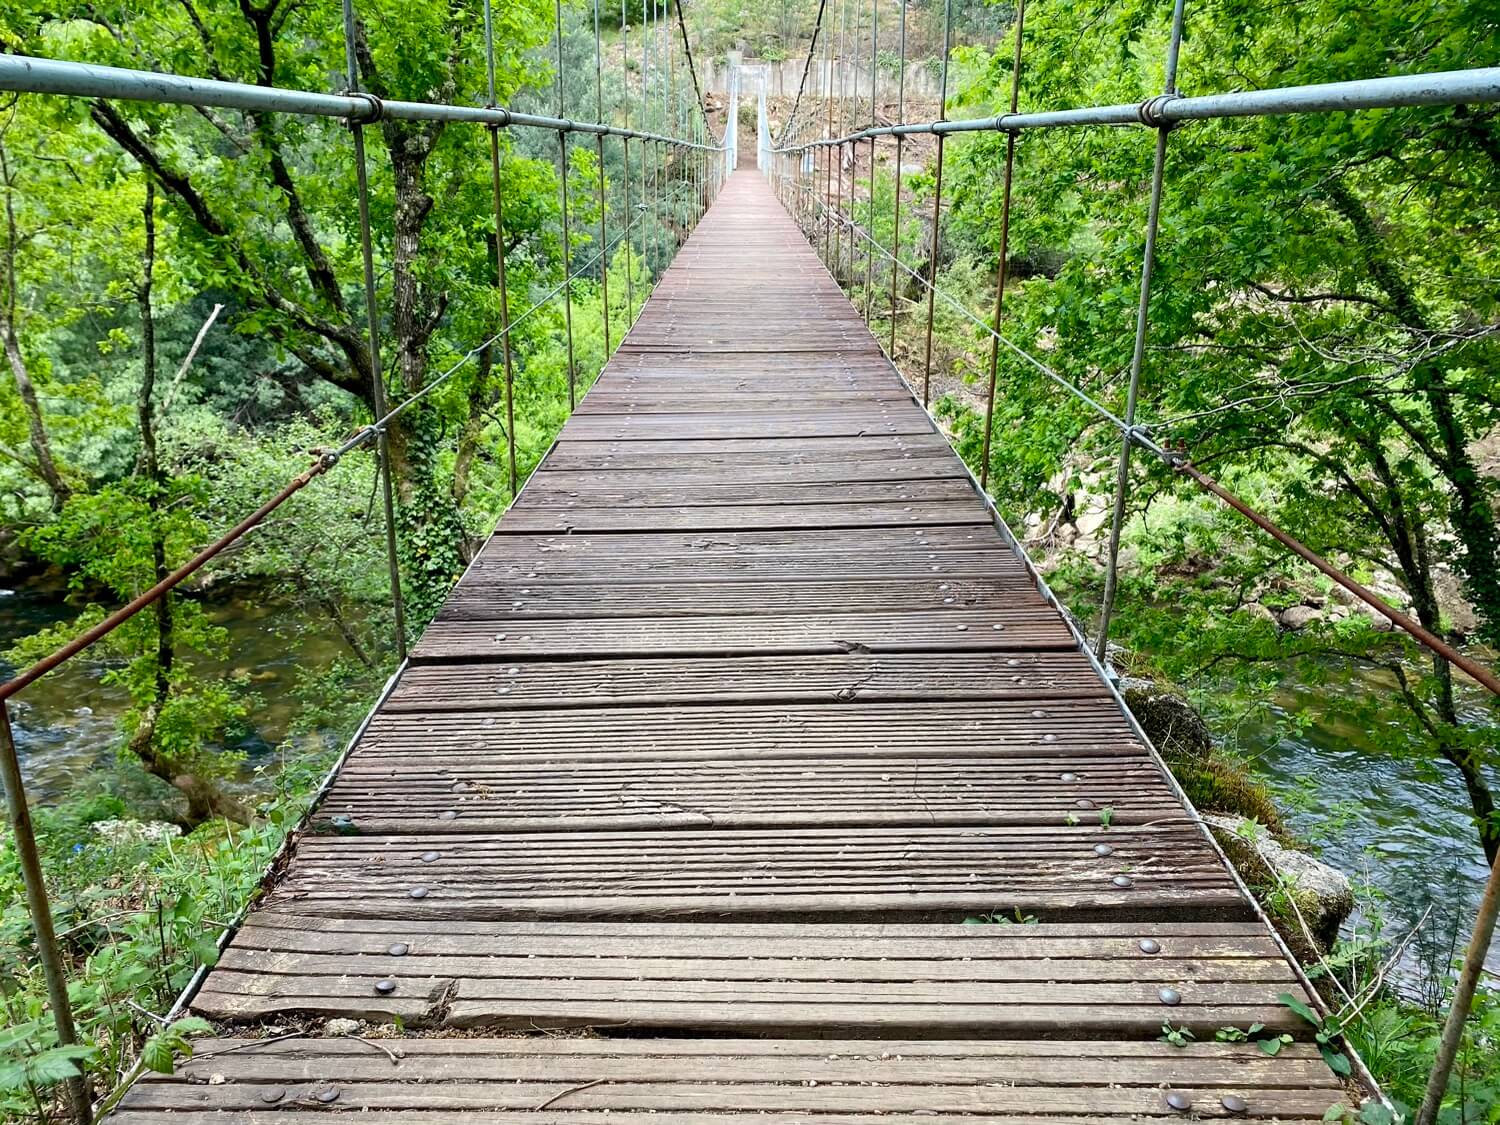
937	205
625	147
1138	355
1001	268
500	280
567	238
372	328
790	123
603	197
896	214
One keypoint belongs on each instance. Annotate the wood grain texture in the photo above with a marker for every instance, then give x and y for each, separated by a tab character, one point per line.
742	710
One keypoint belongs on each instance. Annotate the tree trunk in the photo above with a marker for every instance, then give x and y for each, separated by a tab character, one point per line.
41	447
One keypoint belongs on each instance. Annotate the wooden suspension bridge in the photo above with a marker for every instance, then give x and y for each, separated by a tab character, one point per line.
679	808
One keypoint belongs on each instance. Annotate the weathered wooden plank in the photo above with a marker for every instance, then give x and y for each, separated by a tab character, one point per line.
544	492
1039	677
486	598
742	709
1086	728
577	516
1037	629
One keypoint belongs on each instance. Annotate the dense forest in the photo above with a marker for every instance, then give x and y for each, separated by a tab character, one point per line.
183	319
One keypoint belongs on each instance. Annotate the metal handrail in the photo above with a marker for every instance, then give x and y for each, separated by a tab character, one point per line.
1447	88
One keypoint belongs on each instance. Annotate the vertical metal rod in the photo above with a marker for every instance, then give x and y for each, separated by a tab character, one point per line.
827	217
836	161
1000	269
47	950
1463	1000
937	206
372	324
870	210
1137	358
625	148
510	372
852	109
567	237
896	217
869	251
603	197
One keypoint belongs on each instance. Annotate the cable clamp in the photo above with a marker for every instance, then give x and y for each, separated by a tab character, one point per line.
372	115
1150	111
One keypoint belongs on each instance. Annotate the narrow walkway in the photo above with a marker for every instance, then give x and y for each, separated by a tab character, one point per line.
743	710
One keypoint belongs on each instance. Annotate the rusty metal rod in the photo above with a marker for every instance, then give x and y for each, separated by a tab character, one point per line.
1000	268
40	909
1138	354
372	330
567	237
1463	1000
1407	624
932	265
937	204
141	601
499	206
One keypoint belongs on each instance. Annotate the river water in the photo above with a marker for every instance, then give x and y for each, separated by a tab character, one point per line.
67	724
1386	817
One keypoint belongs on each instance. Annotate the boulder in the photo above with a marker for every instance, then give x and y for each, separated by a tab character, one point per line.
1260	612
1170	721
340	1026
1299	617
1323	895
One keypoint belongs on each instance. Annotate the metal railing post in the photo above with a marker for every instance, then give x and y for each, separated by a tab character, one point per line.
603	197
567	236
937	207
499	203
372	325
1138	355
1463	1000
896	214
40	909
1001	271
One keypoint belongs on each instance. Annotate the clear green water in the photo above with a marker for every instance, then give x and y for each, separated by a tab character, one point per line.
1398	823
67	723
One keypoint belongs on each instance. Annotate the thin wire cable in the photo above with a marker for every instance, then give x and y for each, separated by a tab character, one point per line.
687	50
896	215
372	328
500	278
603	196
1138	355
812	46
567	237
937	203
1001	271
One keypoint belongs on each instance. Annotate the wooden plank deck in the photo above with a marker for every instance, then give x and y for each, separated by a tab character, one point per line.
744	708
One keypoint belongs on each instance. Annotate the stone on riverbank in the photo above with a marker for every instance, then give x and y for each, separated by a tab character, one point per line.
1324	896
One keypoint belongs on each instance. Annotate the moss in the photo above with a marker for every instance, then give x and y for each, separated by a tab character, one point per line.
1215	782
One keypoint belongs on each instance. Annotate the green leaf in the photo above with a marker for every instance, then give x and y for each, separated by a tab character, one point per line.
1337	1061
1376	1113
157	1055
1335	1112
57	1064
1301	1009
